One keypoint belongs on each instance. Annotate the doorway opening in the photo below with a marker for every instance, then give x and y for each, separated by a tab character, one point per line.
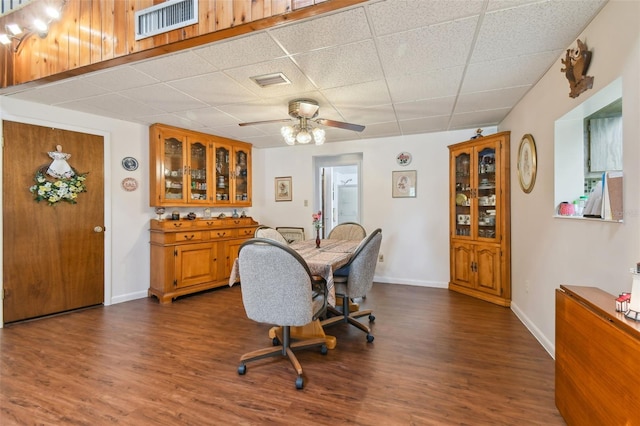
338	189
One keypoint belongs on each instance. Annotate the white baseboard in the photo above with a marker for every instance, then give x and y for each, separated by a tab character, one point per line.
128	297
549	346
417	283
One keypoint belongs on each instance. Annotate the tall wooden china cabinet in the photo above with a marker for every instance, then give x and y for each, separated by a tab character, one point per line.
480	225
192	169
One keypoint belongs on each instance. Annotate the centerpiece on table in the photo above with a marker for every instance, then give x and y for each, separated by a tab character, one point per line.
317	223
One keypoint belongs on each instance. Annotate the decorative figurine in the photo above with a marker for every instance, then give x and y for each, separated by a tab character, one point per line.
576	63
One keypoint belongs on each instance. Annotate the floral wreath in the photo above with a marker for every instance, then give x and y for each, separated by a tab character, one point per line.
63	189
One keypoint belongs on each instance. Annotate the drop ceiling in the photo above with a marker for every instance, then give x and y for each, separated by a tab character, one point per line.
399	67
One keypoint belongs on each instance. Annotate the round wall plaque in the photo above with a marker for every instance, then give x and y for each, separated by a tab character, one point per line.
404	158
129	184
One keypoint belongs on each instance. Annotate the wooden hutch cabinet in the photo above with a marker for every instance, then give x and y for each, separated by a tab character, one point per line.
188	256
479	219
190	168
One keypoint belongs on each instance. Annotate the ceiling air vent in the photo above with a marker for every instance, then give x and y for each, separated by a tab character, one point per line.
166	16
271	79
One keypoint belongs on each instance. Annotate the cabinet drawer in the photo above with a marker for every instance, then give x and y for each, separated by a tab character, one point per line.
246	232
190	236
222	233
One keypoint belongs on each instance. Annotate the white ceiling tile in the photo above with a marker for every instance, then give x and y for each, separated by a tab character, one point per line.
209	117
368	115
369	93
241	51
119	78
173	120
424	108
342	65
400	15
379	130
478	118
60	92
175	66
532	28
432	84
418	125
490	100
117	106
508	72
214	89
429	48
163	97
324	31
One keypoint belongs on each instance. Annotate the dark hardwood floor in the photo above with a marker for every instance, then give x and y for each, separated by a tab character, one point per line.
439	358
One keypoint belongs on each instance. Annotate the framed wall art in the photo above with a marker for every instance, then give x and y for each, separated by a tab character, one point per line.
527	163
404	183
283	188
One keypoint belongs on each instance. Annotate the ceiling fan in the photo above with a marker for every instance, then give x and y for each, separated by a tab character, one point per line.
304	111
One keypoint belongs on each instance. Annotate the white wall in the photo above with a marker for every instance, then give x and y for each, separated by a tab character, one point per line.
415	231
548	252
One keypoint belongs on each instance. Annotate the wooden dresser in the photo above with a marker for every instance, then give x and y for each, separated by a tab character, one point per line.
188	256
597	359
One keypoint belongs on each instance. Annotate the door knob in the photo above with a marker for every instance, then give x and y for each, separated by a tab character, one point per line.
98	229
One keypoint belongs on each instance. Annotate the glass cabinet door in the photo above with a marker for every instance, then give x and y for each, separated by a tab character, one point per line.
241	175
485	207
174	167
463	193
223	181
199	186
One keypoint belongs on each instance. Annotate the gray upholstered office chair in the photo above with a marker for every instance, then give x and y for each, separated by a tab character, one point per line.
347	231
291	233
278	288
354	280
270	233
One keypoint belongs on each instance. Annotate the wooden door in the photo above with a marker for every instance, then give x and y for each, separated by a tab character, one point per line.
488	267
461	260
53	254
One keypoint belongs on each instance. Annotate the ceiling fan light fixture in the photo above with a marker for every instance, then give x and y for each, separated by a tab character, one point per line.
303	136
318	135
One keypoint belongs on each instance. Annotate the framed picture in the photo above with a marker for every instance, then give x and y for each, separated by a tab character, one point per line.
284	189
404	183
527	163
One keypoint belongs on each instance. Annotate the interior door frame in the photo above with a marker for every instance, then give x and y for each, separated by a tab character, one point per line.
327	161
107	196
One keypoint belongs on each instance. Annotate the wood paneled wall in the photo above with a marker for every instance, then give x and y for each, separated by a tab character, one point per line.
97	34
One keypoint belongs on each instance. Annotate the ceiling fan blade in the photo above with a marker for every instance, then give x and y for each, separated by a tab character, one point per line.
340	124
251	123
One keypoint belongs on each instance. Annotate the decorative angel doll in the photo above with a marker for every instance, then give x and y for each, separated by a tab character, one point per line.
59	168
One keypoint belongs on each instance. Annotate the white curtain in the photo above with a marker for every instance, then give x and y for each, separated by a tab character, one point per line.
606	144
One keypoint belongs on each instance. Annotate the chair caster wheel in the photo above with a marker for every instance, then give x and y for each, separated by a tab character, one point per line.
275	341
372	318
242	369
369	338
299	382
324	350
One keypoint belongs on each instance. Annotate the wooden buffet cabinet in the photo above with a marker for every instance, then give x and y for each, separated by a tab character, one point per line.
479	219
196	169
597	359
188	256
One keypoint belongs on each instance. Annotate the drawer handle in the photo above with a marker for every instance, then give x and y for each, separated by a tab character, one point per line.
189	237
210	223
221	234
236	222
177	225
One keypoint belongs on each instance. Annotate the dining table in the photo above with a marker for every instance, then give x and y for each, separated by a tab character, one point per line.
322	261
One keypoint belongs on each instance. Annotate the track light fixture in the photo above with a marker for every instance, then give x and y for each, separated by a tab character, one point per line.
17	33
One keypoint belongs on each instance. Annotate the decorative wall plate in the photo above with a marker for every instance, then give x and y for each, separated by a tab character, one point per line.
129	163
404	158
527	163
129	184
